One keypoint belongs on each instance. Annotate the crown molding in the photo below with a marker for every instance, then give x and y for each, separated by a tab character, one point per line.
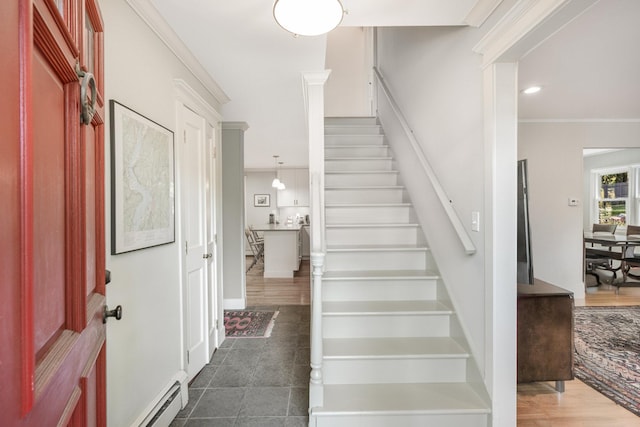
527	24
188	96
150	15
480	12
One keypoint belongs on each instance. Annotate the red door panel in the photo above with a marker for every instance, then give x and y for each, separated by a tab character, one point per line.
48	204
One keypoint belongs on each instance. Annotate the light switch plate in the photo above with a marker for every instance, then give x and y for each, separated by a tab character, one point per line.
475	221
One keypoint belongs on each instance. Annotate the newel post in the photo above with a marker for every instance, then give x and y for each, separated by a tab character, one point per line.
314	103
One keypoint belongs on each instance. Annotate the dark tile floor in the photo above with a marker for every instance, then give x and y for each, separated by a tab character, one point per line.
258	382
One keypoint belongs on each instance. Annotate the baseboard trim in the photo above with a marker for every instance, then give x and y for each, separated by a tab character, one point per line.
234	304
164	408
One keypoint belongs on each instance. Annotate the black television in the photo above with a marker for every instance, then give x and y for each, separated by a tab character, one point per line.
525	263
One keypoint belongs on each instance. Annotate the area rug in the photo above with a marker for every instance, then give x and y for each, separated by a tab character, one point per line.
249	324
607	350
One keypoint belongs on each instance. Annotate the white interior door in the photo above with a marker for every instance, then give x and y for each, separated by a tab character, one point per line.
193	177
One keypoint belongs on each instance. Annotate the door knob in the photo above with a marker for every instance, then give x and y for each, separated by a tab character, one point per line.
116	312
205	256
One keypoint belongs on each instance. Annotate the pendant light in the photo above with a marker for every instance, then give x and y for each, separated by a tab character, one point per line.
308	17
276	182
281	185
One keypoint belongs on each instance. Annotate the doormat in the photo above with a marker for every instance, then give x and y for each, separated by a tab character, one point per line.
607	350
249	324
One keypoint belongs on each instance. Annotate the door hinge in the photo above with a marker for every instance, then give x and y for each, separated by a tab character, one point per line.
186	247
184	136
187	357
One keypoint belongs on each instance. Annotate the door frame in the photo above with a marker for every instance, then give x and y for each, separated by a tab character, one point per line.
187	97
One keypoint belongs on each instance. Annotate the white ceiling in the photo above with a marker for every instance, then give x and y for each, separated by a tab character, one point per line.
588	70
259	65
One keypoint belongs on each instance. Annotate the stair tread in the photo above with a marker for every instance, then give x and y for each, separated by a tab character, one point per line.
376	248
384	348
389	398
373	225
367	187
368	205
358	145
384	307
377	171
362	158
380	274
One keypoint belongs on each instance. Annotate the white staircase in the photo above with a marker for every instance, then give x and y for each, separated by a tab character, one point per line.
393	355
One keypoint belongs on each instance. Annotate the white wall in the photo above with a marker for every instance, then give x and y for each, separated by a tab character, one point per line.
347	89
554	154
259	182
144	348
437	81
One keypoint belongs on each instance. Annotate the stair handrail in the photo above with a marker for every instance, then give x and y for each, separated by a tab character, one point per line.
446	202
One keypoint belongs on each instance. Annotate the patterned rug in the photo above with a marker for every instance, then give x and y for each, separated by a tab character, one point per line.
607	346
249	324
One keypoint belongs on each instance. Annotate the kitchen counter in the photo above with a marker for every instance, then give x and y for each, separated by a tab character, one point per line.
278	227
282	249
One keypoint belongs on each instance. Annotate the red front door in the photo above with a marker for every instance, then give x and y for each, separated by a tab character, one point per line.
52	337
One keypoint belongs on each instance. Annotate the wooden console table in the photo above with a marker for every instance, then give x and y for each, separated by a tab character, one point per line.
545	333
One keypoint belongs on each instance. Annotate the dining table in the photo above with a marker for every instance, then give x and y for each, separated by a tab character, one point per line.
614	247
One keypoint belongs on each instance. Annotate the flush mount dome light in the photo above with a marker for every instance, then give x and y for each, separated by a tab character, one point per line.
531	90
308	17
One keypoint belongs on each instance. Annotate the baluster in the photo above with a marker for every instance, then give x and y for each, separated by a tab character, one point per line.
316	381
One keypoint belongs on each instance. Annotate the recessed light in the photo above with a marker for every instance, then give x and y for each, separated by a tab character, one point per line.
531	90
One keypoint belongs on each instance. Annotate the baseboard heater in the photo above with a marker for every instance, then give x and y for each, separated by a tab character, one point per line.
166	410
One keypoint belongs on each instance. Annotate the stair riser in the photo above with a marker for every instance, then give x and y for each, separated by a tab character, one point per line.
360	179
338	140
381	235
363	371
363	151
379	290
409	420
356	196
344	121
352	130
377	261
374	326
368	215
358	165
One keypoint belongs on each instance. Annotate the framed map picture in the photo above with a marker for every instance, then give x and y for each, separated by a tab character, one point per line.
142	181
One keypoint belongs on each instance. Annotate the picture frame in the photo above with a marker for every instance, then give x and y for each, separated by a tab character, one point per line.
142	181
262	200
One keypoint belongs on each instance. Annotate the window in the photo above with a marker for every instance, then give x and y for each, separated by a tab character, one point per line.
616	196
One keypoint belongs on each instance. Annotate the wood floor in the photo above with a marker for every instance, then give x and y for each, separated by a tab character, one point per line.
261	291
539	405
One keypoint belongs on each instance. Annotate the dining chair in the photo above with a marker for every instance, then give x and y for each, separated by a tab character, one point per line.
599	257
257	248
632	259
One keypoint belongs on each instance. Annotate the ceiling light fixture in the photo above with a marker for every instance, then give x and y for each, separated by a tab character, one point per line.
281	185
308	17
276	182
531	90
